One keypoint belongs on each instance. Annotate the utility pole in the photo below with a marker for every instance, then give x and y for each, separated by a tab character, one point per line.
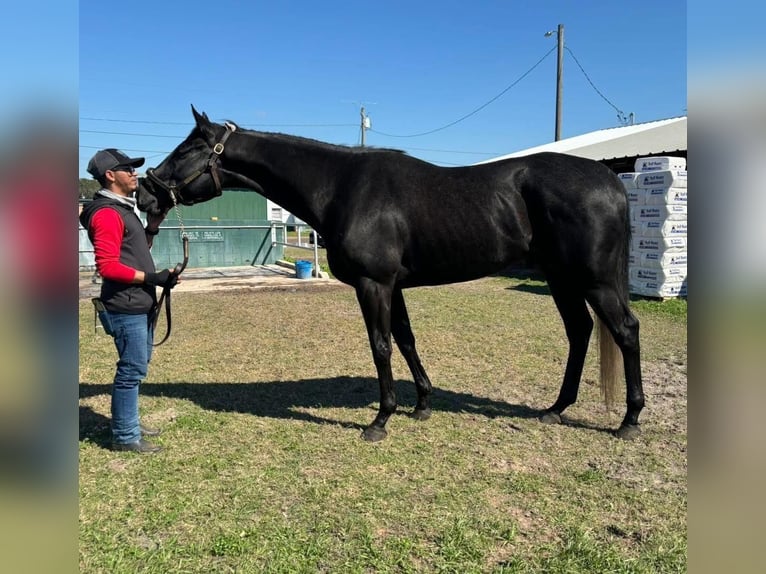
365	125
559	81
559	77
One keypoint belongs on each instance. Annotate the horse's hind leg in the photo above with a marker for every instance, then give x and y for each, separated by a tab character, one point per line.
375	301
579	326
405	340
613	309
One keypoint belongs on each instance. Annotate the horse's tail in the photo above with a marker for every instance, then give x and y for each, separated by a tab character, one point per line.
610	354
610	359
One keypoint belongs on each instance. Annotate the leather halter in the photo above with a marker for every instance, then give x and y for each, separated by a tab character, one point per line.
174	190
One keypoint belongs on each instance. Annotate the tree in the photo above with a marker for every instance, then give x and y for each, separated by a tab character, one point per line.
88	188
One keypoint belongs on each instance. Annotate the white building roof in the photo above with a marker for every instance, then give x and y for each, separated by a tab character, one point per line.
650	138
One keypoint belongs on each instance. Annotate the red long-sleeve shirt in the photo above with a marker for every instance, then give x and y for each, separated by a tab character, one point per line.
108	230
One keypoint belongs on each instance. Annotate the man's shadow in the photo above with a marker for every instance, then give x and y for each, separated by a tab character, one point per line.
287	399
95	427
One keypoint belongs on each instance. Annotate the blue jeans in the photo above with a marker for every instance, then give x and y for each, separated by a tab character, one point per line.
133	338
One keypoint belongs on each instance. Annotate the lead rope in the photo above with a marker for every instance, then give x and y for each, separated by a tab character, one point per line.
178	216
177	271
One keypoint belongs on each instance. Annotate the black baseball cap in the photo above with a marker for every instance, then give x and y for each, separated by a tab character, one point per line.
110	158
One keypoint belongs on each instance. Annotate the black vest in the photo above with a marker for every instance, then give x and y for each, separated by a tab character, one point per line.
134	252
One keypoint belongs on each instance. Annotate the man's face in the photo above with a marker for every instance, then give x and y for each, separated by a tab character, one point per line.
125	179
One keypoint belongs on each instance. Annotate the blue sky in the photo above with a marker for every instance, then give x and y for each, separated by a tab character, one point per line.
306	68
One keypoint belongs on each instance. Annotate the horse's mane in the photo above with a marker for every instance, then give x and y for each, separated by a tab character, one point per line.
299	140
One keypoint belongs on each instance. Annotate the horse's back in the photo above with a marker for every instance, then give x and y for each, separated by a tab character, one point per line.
549	178
432	225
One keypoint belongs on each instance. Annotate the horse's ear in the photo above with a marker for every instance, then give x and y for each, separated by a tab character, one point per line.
202	121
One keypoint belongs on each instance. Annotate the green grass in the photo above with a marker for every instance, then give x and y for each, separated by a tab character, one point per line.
262	397
675	308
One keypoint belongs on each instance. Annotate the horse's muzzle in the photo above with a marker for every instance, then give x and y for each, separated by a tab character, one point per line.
146	198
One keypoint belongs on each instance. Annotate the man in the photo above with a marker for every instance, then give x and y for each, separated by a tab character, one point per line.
128	289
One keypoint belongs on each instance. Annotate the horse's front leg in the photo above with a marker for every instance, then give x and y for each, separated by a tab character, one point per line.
375	301
405	340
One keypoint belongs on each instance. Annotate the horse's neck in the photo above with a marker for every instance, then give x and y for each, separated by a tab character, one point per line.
290	173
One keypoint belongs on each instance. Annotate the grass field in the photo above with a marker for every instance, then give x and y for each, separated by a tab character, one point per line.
262	396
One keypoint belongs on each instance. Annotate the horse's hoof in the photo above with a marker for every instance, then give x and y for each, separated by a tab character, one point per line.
551	418
421	414
628	432
374	434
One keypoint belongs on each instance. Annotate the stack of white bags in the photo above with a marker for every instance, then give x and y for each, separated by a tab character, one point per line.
658	250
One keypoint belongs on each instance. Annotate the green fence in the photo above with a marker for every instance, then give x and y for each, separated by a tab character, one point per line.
227	231
231	230
219	245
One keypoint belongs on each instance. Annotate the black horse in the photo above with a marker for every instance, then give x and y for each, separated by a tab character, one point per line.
391	221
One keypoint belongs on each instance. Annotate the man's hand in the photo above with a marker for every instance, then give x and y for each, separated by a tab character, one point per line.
164	278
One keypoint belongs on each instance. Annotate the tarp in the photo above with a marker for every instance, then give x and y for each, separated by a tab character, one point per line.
650	138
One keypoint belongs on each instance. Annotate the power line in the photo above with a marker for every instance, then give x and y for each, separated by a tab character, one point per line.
159	152
249	126
255	126
155	151
136	121
620	113
179	137
130	134
468	115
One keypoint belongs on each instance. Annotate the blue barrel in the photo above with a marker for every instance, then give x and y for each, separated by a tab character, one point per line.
303	269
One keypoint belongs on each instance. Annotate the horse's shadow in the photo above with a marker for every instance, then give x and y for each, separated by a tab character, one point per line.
292	399
531	288
527	275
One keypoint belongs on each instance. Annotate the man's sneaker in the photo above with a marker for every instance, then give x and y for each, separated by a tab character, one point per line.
142	446
148	431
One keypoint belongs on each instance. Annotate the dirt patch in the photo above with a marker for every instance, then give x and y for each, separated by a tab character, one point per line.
665	386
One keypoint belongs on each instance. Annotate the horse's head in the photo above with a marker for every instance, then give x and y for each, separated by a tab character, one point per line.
190	174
